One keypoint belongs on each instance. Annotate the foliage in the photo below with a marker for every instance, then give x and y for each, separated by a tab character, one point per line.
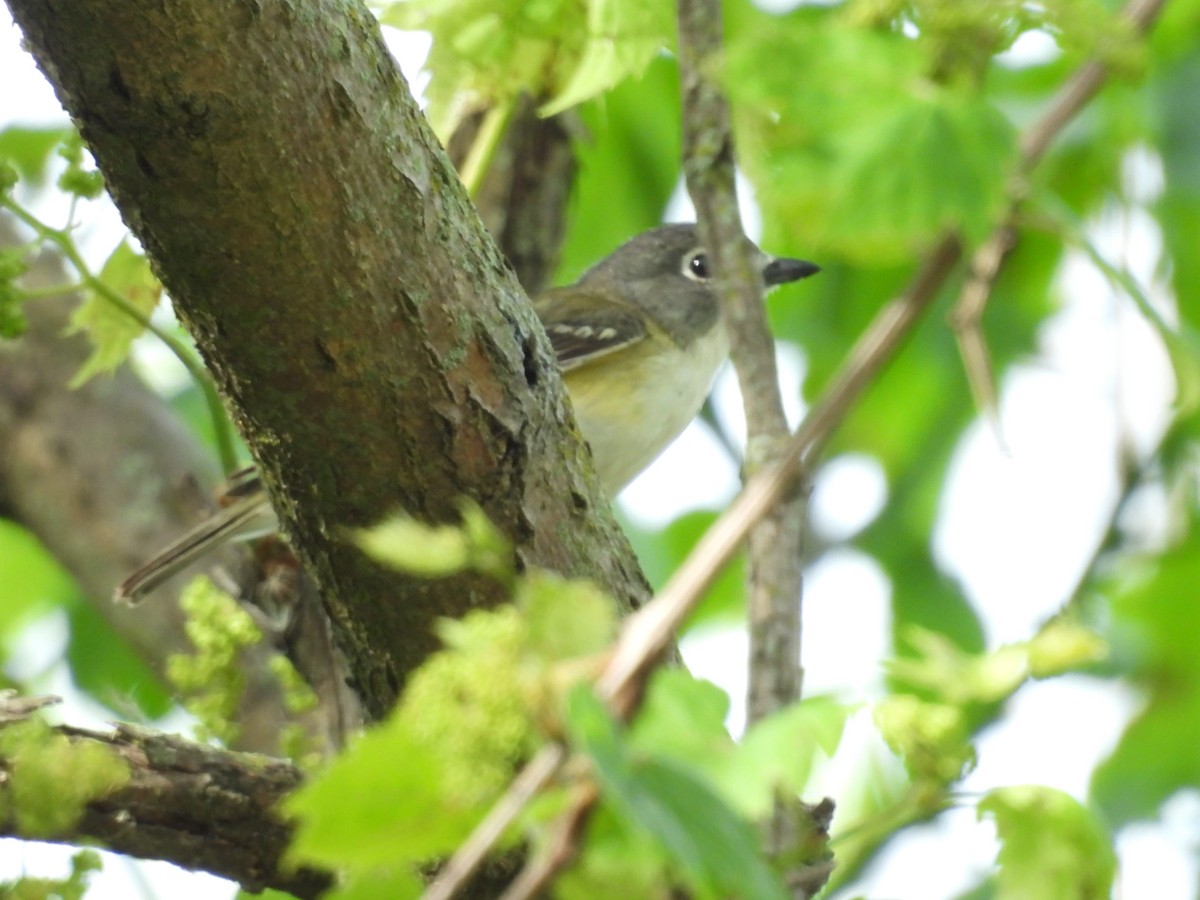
49	778
212	680
1153	602
12	321
1052	846
73	887
665	803
674	784
128	274
468	718
866	128
431	551
118	301
486	54
678	792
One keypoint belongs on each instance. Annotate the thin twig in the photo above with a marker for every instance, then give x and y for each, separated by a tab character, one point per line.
966	320
967	317
563	846
1079	90
15	708
773	557
535	776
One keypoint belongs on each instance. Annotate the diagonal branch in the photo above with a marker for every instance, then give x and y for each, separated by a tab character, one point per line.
967	316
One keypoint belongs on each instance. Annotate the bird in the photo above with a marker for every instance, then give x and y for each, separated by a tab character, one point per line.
639	339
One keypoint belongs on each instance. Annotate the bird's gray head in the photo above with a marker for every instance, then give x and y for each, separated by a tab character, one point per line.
666	273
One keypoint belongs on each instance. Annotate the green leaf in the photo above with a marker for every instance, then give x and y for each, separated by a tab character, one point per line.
623	36
404	544
906	176
461	729
383	802
1050	846
565	618
852	140
939	667
104	666
1174	33
413	788
28	150
778	754
112	323
1062	645
486	53
615	861
475	701
31	579
212	678
8	177
933	738
436	551
50	778
799	84
390	882
12	316
628	153
716	851
683	717
77	179
1156	618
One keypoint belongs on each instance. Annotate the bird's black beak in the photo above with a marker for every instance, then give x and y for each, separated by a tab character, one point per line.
783	270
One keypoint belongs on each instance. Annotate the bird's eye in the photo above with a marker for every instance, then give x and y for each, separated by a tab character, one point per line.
695	265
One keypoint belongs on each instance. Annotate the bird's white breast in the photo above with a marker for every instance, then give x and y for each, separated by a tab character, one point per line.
662	391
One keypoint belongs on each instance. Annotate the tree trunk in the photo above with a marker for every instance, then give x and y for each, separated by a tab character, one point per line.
374	348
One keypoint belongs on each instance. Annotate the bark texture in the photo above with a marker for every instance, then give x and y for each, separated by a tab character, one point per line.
196	806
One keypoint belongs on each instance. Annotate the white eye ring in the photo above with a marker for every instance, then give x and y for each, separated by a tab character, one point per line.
695	266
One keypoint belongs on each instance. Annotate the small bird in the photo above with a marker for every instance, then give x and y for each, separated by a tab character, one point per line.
639	339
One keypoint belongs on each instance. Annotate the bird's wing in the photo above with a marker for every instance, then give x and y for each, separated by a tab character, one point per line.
584	325
241	483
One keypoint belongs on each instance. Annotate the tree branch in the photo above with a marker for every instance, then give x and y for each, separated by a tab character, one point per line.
774	544
190	804
988	260
375	350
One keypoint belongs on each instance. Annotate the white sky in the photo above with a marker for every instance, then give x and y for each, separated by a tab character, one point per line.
1015	529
